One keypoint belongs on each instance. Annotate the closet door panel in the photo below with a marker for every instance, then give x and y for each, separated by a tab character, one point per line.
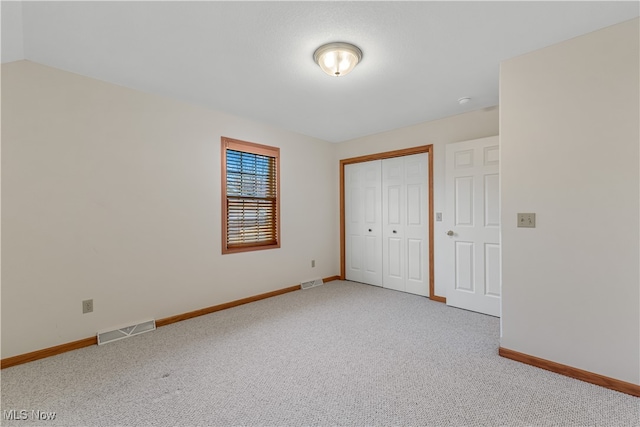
363	217
353	182
372	217
393	220
416	230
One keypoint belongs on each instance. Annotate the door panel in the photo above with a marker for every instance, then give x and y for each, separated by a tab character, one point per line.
395	259
464	266
492	269
473	219
463	159
406	223
414	259
371	202
372	265
491	155
372	228
393	205
416	231
415	215
463	200
363	205
356	254
353	214
491	200
392	224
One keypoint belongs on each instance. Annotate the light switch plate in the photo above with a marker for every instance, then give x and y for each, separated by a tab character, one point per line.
527	220
438	216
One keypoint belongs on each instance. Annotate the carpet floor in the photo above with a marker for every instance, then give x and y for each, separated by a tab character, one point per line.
338	354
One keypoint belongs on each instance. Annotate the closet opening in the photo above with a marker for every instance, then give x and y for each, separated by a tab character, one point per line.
387	220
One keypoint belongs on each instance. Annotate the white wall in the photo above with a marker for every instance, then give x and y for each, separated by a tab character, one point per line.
113	194
570	153
11	23
473	125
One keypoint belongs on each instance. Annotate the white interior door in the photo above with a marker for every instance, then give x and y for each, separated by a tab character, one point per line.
363	234
405	224
473	224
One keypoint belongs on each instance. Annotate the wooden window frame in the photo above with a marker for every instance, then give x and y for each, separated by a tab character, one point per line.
252	148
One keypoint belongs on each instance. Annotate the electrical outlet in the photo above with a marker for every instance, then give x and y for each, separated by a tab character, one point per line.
313	263
87	306
527	220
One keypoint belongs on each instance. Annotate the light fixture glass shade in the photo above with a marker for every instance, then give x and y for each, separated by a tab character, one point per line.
337	59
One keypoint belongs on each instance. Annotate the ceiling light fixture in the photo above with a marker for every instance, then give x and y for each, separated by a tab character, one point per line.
337	59
464	100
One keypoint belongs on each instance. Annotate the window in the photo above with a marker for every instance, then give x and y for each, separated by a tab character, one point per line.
250	196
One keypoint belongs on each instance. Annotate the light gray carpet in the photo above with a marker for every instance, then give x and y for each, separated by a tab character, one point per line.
338	354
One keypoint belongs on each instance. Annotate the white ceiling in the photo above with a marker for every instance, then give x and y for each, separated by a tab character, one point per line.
254	59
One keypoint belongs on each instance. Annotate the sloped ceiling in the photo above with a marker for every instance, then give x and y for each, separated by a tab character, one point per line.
254	59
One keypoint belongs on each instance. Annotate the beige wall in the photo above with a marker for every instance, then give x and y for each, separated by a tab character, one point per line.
112	194
463	127
570	153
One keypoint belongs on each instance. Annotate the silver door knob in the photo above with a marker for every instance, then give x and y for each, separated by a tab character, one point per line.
450	233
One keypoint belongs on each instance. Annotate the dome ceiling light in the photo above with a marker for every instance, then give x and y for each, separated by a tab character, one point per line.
337	59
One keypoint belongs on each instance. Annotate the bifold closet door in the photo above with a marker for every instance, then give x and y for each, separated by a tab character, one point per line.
363	231
405	224
387	223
